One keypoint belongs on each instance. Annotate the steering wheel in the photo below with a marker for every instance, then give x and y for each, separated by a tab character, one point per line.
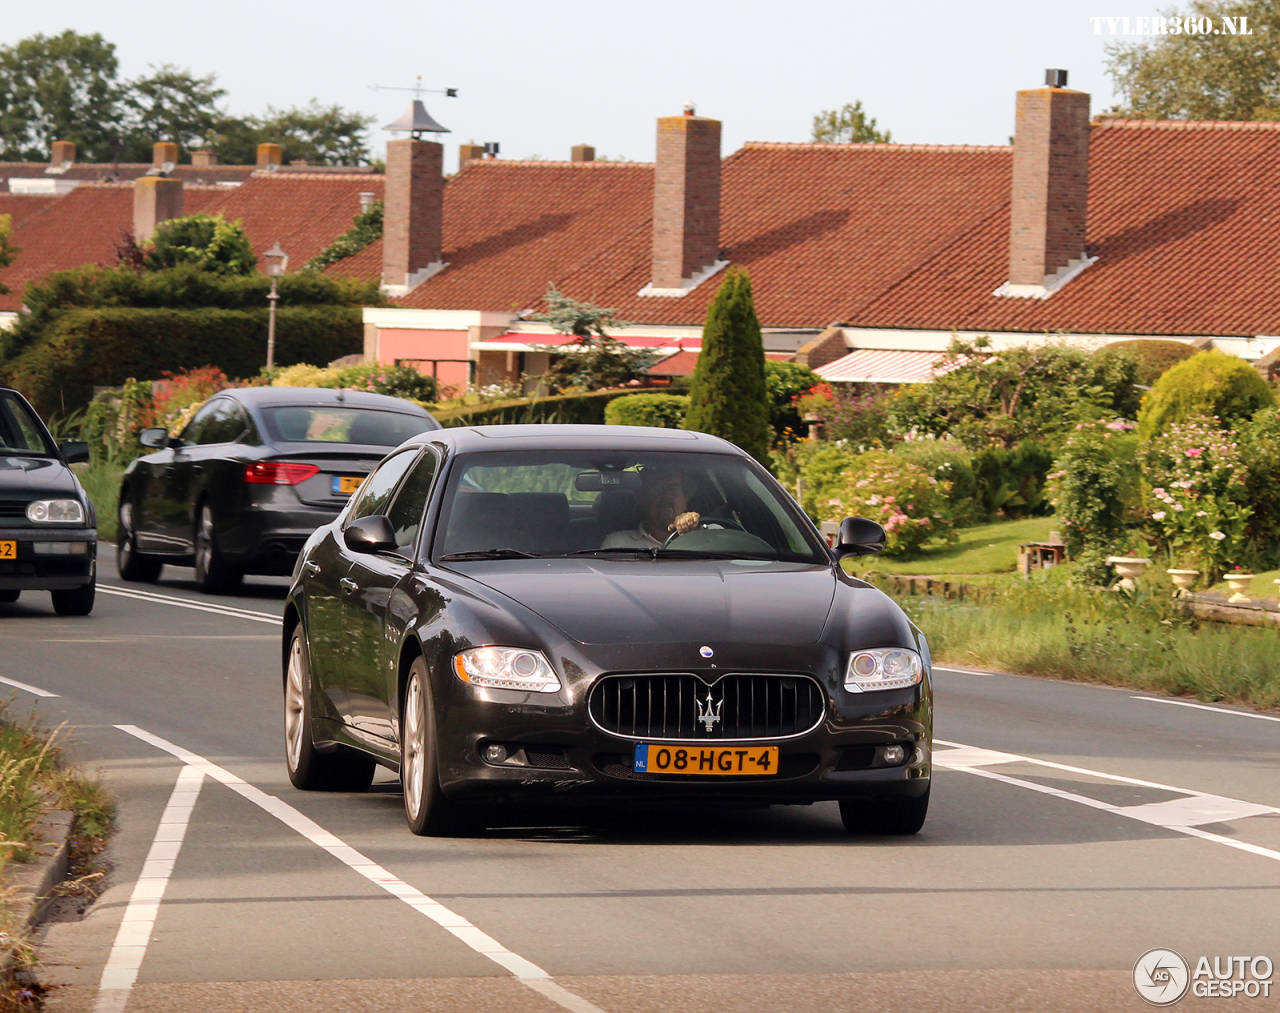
724	522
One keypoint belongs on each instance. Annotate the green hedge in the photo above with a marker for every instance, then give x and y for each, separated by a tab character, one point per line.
85	348
575	409
663	411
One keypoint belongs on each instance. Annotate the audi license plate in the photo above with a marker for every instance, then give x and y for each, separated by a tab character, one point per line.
8	550
655	759
345	485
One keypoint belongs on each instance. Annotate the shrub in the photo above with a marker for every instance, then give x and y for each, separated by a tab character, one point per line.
394	381
860	418
664	411
1095	487
951	465
207	242
783	381
1154	356
178	396
901	496
1260	450
112	421
1208	385
727	396
574	409
1198	500
1010	483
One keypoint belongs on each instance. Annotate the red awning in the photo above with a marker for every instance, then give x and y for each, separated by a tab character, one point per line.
875	365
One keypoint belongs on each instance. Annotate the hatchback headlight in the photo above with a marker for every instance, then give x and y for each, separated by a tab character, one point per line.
882	668
506	668
56	511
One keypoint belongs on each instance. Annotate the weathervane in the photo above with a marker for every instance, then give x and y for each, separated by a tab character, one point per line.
417	89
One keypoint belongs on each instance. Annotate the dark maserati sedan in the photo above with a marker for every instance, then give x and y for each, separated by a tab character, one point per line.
255	471
48	531
596	613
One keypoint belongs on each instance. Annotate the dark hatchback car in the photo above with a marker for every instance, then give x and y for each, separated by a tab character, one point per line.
255	471
594	613
48	530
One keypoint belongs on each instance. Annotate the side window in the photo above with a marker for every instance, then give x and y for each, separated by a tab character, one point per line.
191	434
375	491
411	502
225	425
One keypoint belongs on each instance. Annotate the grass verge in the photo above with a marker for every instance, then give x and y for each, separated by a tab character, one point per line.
1046	626
985	548
102	484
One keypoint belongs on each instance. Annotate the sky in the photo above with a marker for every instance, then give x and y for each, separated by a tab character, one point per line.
539	76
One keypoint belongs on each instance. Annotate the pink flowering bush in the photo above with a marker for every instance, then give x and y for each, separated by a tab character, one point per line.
1198	500
1094	489
903	497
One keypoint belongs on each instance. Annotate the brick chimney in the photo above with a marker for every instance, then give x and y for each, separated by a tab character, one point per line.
466	152
63	154
164	153
270	156
413	214
156	199
204	159
582	153
686	201
1050	189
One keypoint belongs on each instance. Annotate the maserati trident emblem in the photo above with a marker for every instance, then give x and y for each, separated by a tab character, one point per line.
706	652
710	714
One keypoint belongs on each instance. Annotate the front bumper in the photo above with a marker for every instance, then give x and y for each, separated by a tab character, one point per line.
40	571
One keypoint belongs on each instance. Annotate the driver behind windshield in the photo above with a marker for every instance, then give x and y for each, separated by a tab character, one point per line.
664	502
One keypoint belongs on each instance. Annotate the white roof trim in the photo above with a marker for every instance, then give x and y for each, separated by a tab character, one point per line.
1052	282
687	285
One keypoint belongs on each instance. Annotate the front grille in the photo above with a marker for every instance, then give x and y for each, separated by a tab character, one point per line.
547	756
11	509
682	707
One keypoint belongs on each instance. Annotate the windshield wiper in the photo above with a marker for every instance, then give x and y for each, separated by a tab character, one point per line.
699	554
489	554
633	550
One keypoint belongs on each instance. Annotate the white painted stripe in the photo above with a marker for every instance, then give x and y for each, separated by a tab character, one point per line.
526	971
1172	815
26	687
134	934
186	603
1206	707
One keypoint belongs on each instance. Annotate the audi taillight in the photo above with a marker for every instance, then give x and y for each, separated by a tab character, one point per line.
278	473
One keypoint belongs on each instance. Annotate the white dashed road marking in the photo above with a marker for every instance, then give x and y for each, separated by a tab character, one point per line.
26	687
527	972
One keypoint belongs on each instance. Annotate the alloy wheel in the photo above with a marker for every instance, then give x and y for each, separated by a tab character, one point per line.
204	542
295	706
124	538
413	763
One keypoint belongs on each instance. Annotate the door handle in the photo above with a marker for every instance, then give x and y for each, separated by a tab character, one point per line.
348	584
311	566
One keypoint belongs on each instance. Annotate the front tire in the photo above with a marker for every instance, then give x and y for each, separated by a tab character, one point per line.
9	596
899	817
309	769
130	563
214	574
76	601
427	811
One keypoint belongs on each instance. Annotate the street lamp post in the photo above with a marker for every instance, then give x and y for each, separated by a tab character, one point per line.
277	263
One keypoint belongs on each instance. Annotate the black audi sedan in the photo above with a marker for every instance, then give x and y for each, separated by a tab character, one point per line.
48	530
255	471
596	613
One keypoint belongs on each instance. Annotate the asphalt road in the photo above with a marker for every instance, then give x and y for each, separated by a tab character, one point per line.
1072	828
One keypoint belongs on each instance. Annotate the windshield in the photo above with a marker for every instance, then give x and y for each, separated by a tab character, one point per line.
324	424
20	431
619	505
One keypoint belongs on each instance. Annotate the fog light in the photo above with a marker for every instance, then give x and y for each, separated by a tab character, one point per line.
893	754
494	753
60	548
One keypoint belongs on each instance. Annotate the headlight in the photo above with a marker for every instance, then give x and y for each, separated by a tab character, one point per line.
56	511
882	668
506	668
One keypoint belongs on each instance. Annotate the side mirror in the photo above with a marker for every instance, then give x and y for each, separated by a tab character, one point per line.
74	451
859	537
156	439
370	534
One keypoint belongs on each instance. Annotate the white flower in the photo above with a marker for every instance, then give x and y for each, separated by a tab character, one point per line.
1159	515
1179	507
1217	536
1202	513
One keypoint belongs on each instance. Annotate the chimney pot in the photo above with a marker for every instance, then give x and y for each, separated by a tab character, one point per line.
686	199
204	159
270	156
63	154
414	210
164	156
1050	183
156	199
1055	78
582	153
690	109
466	152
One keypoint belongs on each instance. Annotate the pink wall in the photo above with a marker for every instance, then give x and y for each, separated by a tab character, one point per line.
418	344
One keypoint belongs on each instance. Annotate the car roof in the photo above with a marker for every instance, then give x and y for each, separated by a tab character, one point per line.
265	397
500	439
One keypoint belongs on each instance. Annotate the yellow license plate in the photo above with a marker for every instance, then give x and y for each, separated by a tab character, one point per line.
705	760
8	550
345	485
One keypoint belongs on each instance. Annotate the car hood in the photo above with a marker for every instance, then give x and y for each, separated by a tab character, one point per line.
30	478
643	602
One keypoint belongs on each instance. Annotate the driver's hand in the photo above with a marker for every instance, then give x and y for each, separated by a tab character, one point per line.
685	523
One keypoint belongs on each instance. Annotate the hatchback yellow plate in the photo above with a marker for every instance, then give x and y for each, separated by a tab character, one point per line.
345	485
703	760
8	550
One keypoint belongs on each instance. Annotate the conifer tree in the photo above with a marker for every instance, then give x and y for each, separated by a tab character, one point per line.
728	397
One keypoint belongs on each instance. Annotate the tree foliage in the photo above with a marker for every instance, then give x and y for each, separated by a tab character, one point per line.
728	396
1204	77
848	125
1154	356
594	358
208	242
366	228
1209	384
171	104
325	135
7	250
660	410
784	382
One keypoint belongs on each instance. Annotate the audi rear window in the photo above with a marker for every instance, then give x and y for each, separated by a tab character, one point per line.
325	424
